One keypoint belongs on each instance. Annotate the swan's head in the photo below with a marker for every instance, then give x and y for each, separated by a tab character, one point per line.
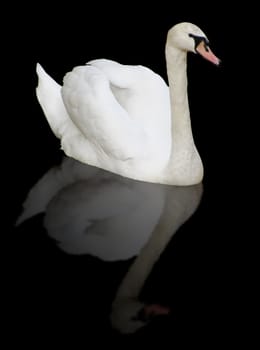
190	38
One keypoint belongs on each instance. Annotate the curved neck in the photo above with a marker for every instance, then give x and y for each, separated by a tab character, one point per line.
182	139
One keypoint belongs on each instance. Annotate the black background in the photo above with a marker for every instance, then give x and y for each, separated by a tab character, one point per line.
204	260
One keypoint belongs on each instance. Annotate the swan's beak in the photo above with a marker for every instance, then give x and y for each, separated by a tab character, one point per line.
205	52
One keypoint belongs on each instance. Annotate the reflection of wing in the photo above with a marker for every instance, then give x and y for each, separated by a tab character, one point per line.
89	210
109	219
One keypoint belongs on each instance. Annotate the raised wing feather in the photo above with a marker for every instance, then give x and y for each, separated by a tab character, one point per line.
96	112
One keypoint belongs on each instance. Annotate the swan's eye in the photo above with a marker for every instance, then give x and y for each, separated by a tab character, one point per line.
198	39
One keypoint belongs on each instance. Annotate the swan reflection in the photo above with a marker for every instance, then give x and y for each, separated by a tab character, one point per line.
91	211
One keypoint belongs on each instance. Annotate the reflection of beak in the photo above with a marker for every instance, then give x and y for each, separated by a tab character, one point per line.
205	52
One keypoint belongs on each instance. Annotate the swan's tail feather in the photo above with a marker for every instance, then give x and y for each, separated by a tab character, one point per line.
49	96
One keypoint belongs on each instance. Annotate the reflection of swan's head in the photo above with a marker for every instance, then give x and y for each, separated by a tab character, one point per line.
188	37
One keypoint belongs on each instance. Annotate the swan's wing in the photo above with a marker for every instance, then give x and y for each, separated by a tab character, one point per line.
108	111
121	75
145	96
138	89
96	112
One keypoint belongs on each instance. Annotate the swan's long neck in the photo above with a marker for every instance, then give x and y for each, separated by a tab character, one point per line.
177	75
184	158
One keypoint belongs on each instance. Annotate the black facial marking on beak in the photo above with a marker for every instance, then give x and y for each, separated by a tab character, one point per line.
198	39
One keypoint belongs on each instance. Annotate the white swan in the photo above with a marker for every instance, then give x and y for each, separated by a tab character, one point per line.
125	119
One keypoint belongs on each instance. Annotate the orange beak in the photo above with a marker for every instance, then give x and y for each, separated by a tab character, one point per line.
205	52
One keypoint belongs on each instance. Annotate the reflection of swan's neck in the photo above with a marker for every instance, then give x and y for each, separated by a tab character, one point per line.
183	147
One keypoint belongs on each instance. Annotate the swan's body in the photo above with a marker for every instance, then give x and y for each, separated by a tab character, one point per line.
125	119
